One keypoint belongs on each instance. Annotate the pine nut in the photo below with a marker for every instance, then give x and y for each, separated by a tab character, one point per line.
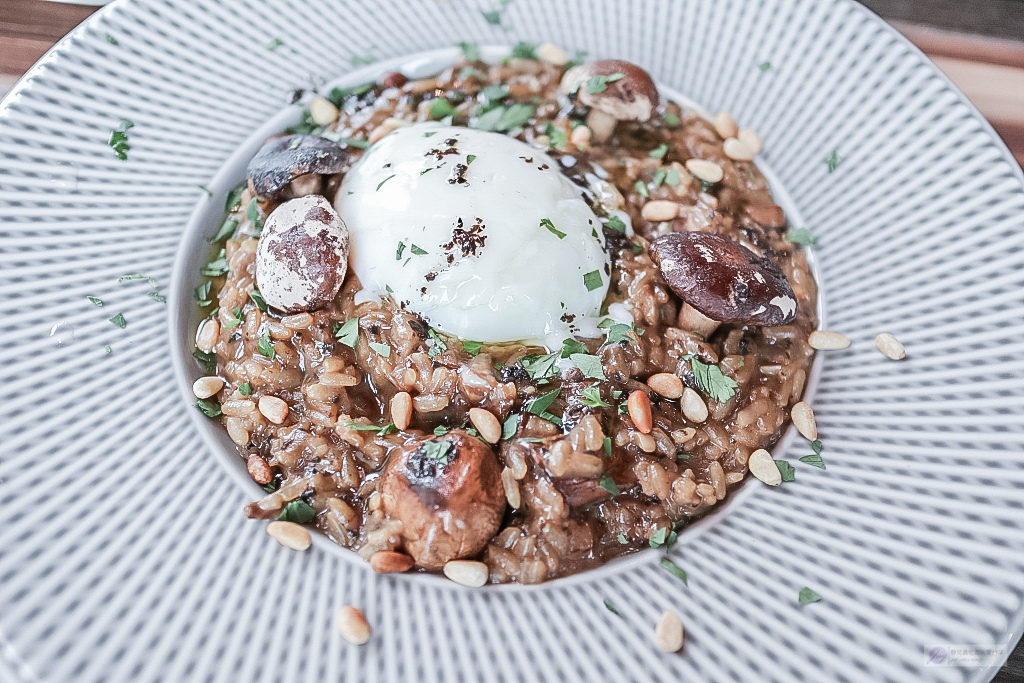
708	171
508	480
322	111
401	410
542	141
824	340
751	139
259	470
737	150
659	210
694	408
803	420
725	125
486	424
644	442
666	384
390	562
206	337
290	535
580	138
430	404
639	407
353	625
668	634
205	387
273	408
762	466
890	346
552	54
467	572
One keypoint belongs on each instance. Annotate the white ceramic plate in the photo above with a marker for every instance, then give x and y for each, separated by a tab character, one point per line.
124	553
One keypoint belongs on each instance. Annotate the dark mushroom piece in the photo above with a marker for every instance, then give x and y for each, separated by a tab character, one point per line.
722	281
615	91
302	255
448	494
294	166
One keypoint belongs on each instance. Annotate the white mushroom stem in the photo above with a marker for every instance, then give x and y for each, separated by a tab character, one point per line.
602	125
692	319
306	184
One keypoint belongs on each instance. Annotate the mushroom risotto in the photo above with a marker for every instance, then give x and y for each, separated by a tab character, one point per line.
508	322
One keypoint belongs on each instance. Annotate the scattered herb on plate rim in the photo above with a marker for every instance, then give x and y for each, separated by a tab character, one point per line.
764	66
111	39
96	301
119	139
787	471
274	44
674	569
209	408
611	608
833	161
119	321
807	596
802	236
471	51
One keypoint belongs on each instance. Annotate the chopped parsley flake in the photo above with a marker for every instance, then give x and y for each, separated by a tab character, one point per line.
111	39
227	229
599	83
437	451
611	608
441	430
492	94
493	18
470	51
659	537
539	406
209	408
659	151
257	299
802	236
106	349
274	44
156	296
672	177
786	470
539	367
361	60
615	223
674	568
298	511
417	251
216	267
205	189
713	381
440	107
641	189
119	139
119	320
381	431
764	66
621	538
833	161
556	136
593	280
437	346
96	301
609	485
381	184
236	319
807	596
245	389
813	459
524	50
470	158
472	347
659	177
509	427
400	251
234	198
592	398
502	119
382	349
207	360
816	446
670	119
253	214
347	334
588	364
546	223
265	347
571	346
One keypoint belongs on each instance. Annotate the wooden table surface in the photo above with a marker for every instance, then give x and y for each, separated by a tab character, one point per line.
988	68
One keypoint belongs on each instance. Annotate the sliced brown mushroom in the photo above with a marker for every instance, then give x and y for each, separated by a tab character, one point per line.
302	255
447	492
296	163
615	91
722	281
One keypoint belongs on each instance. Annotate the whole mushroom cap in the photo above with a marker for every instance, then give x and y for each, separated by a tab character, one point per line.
724	280
450	505
302	255
630	96
283	159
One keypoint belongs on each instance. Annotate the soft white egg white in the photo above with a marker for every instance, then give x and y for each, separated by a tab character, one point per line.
477	232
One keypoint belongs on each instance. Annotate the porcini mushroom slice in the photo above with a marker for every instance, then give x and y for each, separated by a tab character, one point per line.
302	255
281	160
724	280
447	492
614	90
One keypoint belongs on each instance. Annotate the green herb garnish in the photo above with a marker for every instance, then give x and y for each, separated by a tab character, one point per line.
216	267
599	83
807	596
592	280
546	223
381	183
265	347
119	320
713	381
611	608
588	364
609	485
208	361
257	299
202	294
234	198
659	177
400	251
493	18
509	427
156	296
592	399
119	139
672	567
347	334
492	94
641	189
253	214
417	251
539	406
672	177
356	61
786	470
227	229
472	347
381	431
209	408
245	389
833	161
96	301
523	50
437	451
274	44
298	511
470	51
539	367
571	346
438	346
659	151
236	319
556	136
502	119
615	223
802	236
382	349
764	66
440	107
670	119
111	39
